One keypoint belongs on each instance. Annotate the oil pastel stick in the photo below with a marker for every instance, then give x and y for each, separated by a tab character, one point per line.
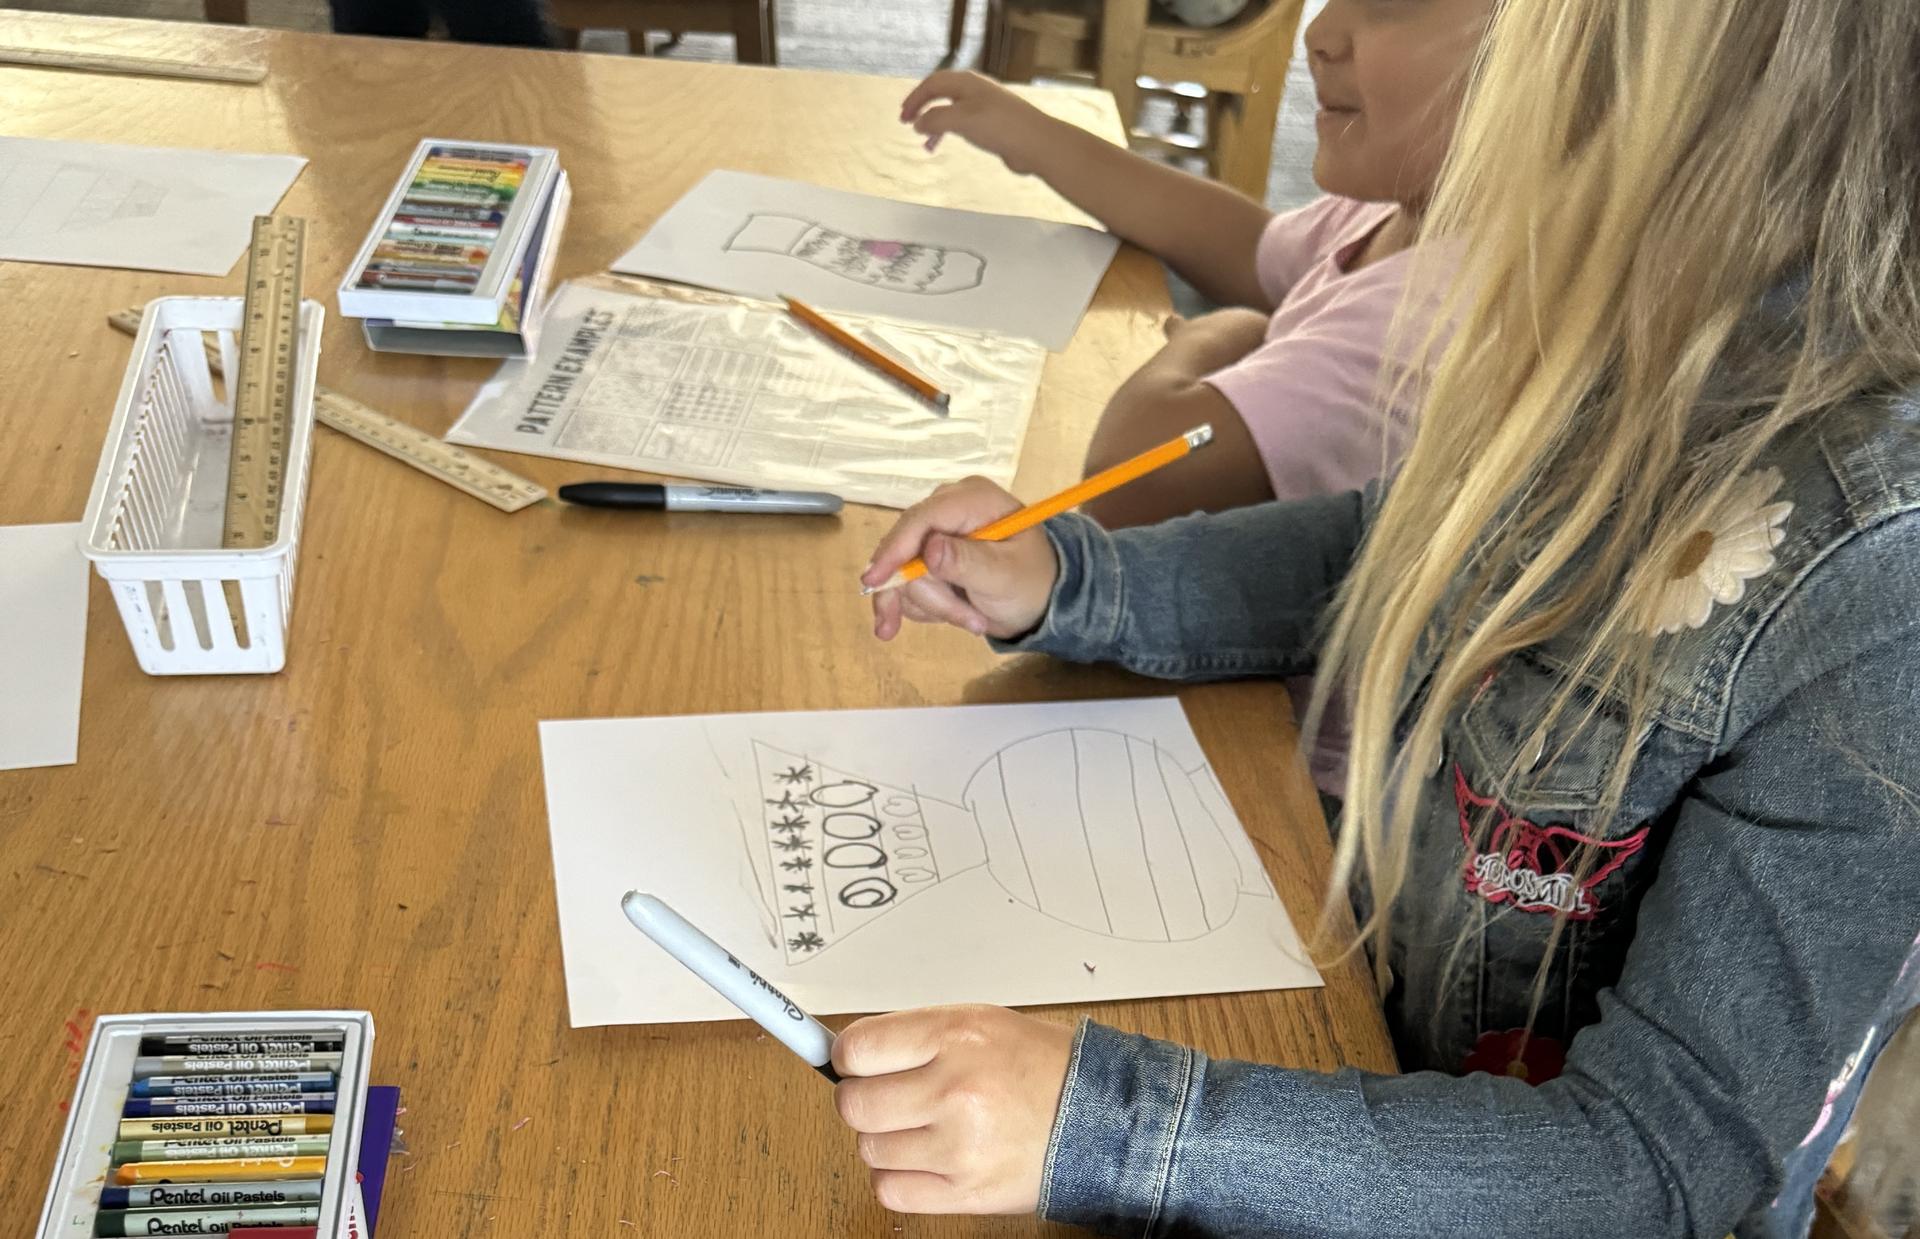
233	1170
423	269
478	154
418	228
231	1127
212	1195
238	1045
443	174
226	1065
450	195
201	1221
218	1150
465	214
408	249
417	283
171	1107
284	1084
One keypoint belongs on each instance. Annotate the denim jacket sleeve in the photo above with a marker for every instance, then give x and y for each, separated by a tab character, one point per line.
1232	594
1780	918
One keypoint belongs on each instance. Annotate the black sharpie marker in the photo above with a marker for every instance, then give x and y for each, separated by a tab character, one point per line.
651	496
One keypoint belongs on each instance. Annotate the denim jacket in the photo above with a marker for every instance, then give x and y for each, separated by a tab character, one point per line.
1730	966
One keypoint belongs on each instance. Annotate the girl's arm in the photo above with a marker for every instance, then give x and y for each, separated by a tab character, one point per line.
1202	229
1207	597
1770	957
1766	950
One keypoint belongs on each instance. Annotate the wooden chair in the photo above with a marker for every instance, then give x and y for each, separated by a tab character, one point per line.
750	22
1241	65
1872	1187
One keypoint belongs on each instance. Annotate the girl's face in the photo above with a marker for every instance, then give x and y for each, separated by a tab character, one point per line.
1389	75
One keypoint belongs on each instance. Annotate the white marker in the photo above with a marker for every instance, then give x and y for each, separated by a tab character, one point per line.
737	983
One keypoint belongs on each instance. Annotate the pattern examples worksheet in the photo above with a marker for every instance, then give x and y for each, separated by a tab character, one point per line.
706	386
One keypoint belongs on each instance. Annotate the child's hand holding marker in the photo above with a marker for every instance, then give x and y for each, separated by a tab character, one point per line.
953	1105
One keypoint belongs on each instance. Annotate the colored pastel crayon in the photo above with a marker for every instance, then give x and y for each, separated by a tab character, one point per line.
446	174
457	194
194	1065
212	1195
171	1107
233	1127
460	187
450	278
419	229
478	154
418	283
202	1221
285	1084
233	1170
222	1150
459	253
420	267
464	214
243	1044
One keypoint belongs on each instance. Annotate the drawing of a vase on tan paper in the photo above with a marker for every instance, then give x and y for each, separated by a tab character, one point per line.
897	266
1143	857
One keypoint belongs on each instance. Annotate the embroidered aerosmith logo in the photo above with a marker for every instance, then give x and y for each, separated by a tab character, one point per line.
1532	867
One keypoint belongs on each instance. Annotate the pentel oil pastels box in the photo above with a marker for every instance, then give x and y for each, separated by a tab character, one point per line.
460	259
201	1124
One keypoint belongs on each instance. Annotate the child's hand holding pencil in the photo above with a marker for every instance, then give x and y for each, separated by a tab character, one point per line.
991	589
970	555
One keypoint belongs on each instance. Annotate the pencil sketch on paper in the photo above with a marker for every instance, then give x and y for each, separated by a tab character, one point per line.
896	266
1096	829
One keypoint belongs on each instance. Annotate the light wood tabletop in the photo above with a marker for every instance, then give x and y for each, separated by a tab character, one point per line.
367	828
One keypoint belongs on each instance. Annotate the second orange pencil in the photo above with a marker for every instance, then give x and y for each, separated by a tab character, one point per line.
1072	497
845	340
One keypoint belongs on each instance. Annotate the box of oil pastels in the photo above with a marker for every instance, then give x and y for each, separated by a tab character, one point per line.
201	1124
459	261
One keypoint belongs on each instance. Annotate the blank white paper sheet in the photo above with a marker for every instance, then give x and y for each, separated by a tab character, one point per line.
871	860
144	208
43	640
761	236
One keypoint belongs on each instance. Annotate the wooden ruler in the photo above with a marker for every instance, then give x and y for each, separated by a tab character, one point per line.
441	461
145	66
263	394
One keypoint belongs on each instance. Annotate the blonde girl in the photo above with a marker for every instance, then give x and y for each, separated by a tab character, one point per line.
1633	648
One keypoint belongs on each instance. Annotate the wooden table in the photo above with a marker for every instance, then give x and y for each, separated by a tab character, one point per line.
367	828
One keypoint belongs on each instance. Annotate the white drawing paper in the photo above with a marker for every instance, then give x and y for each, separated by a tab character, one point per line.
141	207
762	236
870	860
709	386
43	641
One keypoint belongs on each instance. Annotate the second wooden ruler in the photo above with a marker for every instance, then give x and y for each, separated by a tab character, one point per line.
442	461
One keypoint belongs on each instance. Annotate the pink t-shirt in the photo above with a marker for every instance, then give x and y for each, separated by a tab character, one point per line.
1314	394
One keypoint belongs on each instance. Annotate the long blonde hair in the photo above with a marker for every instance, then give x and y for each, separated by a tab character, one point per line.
1628	180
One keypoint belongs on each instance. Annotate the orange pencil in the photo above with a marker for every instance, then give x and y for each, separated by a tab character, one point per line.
1072	497
862	351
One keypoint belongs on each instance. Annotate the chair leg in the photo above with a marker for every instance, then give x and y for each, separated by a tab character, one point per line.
229	12
1243	144
752	33
1123	28
956	33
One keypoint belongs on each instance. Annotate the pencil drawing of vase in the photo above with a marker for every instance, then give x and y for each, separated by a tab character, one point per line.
897	266
1099	830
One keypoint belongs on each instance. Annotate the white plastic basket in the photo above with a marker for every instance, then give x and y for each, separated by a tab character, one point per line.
154	520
